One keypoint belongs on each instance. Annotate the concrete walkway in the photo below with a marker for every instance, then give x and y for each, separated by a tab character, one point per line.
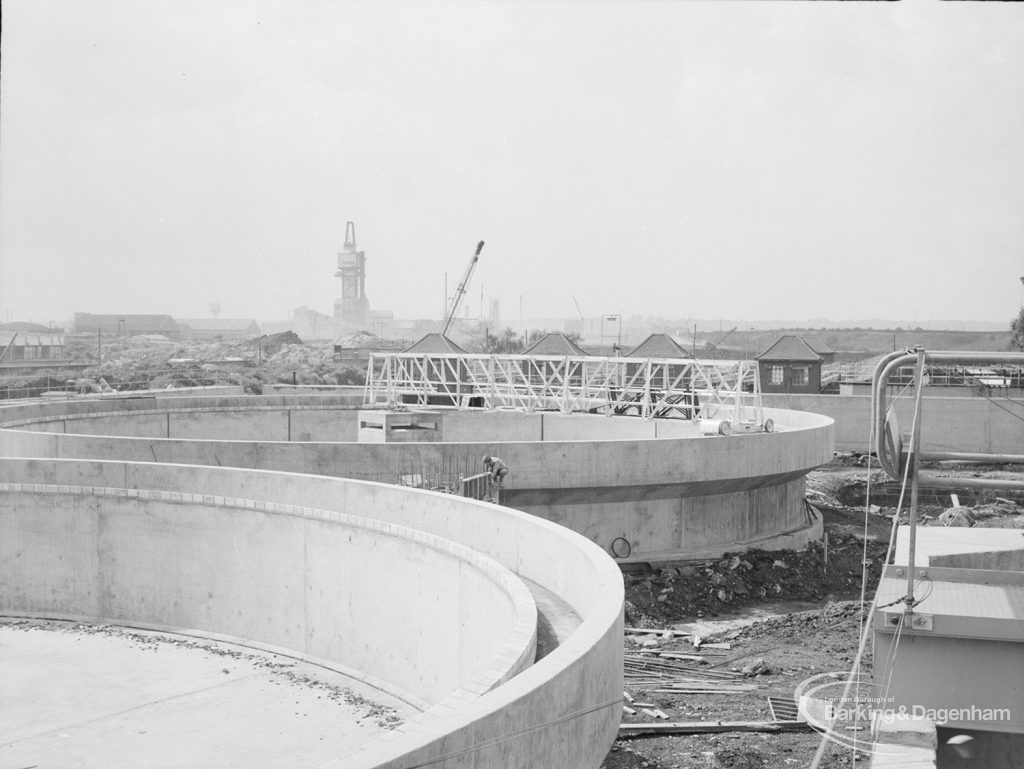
82	696
556	620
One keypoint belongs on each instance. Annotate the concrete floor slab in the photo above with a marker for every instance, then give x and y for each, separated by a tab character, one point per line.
97	696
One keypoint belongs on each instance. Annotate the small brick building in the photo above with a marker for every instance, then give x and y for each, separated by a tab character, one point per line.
791	366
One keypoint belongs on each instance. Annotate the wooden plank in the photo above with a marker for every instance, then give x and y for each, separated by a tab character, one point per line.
783	709
655	631
706	727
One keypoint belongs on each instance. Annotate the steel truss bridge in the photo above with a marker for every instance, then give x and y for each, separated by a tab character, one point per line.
649	388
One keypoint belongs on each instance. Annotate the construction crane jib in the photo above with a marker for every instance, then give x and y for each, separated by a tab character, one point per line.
461	290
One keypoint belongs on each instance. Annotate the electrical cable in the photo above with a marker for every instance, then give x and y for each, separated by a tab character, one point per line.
864	549
993	401
820	752
891	658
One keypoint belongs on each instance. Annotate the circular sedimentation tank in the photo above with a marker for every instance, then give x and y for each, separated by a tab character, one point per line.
642	490
266	522
432	599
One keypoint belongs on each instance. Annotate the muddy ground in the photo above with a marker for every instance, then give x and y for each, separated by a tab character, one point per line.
783	650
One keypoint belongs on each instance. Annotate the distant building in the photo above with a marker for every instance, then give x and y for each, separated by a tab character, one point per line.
790	366
436	344
380	323
308	324
662	347
826	353
659	346
555	344
127	325
33	328
560	345
219	328
450	380
20	347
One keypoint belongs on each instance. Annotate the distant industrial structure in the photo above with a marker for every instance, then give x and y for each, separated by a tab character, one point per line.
352	307
352	313
21	347
127	324
219	328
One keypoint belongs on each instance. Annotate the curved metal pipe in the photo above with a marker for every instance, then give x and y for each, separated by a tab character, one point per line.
880	381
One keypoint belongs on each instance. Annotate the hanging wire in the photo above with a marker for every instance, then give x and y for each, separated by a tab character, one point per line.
864	548
891	656
995	403
865	628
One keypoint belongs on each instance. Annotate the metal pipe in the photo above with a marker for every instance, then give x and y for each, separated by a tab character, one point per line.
895	360
915	445
966	456
971	483
879	379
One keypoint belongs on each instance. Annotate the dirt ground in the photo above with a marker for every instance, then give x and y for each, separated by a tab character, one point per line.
782	650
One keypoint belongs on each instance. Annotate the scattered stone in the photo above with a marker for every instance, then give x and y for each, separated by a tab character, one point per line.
758	667
958	516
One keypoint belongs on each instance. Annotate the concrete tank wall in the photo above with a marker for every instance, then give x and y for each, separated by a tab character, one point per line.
327	585
670	492
563	711
948	423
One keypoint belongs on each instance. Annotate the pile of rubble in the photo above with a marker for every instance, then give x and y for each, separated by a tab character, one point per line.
1001	513
753	577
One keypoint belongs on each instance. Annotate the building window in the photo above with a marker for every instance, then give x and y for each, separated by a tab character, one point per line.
801	376
776	375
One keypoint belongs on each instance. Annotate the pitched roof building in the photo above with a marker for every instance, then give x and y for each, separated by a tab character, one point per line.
827	354
659	346
555	344
790	366
436	344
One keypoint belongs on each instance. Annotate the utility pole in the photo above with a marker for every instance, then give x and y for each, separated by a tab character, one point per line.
521	324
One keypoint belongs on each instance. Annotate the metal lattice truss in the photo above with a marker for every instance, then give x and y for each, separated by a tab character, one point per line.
679	388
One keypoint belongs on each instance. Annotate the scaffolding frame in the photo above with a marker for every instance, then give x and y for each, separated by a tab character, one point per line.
680	388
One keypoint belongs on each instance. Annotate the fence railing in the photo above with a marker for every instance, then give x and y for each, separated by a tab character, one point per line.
862	372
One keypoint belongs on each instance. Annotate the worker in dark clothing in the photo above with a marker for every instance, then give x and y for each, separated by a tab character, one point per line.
496	468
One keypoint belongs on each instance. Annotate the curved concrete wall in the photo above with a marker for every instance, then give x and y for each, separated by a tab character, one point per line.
326	584
112	520
657	484
968	423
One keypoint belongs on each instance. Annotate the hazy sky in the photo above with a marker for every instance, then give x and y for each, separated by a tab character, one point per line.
708	159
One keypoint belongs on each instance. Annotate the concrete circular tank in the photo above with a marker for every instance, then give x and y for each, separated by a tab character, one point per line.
433	598
643	490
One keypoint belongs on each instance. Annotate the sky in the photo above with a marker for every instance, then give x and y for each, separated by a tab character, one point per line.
675	159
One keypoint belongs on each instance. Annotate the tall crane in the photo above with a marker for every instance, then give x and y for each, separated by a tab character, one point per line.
726	335
579	312
460	291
